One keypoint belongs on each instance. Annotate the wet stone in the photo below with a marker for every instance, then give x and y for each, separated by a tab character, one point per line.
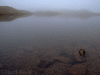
79	57
82	52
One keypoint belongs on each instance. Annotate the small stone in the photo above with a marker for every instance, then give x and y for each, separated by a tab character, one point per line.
77	70
79	57
82	52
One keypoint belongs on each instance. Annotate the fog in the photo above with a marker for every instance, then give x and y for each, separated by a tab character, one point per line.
50	39
35	5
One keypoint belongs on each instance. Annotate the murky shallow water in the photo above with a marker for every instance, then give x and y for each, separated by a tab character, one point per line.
45	45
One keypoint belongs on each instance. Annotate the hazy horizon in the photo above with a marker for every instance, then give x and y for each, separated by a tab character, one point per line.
36	5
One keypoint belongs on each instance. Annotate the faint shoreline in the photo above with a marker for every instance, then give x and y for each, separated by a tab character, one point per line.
6	10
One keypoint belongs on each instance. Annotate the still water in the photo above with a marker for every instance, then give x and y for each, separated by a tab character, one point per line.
41	45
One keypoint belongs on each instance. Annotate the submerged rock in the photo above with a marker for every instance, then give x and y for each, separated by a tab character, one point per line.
77	70
79	57
81	52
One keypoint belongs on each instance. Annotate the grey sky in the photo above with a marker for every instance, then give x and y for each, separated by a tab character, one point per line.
93	5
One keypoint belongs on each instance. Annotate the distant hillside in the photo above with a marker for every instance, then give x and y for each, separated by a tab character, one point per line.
6	18
46	13
6	10
82	14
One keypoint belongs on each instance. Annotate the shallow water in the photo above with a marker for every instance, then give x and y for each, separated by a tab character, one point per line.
43	45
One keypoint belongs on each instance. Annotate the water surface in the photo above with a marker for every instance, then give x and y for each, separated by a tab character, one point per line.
25	42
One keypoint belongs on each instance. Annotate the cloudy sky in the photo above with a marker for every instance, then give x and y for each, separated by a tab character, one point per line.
93	5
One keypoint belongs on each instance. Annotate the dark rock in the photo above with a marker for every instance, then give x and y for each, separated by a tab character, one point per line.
78	57
77	70
82	52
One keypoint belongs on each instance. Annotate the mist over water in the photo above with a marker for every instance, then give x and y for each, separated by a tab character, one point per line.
52	5
47	41
32	40
81	14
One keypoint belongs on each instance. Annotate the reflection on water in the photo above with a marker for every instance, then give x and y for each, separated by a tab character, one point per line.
82	14
48	45
11	17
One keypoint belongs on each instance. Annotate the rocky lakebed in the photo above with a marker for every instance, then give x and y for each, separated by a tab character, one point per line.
49	62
